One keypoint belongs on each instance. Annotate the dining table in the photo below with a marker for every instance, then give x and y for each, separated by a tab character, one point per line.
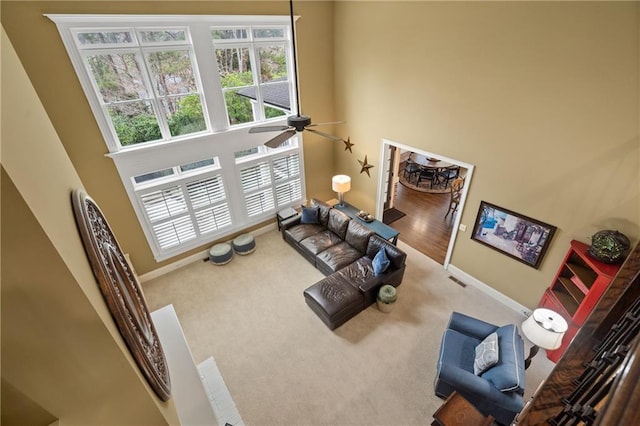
429	162
432	169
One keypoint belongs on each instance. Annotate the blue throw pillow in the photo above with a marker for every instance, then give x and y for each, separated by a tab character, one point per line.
380	262
309	215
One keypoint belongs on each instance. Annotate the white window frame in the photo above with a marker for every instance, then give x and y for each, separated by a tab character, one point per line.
221	141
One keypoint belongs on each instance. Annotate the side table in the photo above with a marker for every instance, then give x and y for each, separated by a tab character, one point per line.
457	411
285	214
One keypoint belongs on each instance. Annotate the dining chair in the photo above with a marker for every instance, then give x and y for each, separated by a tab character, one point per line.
427	173
449	174
411	169
455	194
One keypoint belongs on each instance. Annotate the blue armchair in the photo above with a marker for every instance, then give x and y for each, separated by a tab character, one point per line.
499	390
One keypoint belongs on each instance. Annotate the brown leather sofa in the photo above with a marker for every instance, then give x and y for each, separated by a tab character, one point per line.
343	249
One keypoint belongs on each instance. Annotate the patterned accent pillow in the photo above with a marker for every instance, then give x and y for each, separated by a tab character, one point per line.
486	354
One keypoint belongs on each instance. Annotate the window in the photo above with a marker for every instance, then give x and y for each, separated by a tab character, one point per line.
145	82
254	75
270	182
174	97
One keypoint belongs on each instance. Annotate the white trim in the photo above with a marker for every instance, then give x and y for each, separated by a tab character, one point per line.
118	20
194	257
187	389
463	198
488	290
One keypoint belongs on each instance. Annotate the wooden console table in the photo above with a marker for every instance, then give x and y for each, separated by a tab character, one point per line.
457	411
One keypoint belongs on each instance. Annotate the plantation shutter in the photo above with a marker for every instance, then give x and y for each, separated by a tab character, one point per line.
256	186
287	176
208	199
186	211
167	211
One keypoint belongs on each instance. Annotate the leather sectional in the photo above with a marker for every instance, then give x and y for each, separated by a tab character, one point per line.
344	250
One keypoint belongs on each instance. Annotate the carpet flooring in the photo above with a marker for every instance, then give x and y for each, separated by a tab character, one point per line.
391	215
283	366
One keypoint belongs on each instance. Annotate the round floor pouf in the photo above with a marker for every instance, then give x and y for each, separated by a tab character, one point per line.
244	244
220	254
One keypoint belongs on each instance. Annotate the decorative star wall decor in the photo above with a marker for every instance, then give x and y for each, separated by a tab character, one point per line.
365	166
348	144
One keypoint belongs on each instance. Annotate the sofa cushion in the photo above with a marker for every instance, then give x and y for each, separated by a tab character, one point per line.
486	354
298	233
338	223
358	236
334	300
310	215
457	349
323	211
508	374
394	254
337	257
320	241
360	273
380	262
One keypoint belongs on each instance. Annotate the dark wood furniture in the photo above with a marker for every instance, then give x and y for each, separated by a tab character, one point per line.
122	292
285	214
457	411
575	290
620	404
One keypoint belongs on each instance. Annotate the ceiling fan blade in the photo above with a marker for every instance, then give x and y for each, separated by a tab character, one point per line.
325	135
280	139
325	124
262	129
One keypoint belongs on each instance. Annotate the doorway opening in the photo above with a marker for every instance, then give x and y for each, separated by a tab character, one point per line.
415	192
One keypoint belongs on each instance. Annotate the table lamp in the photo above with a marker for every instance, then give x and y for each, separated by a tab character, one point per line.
545	329
341	184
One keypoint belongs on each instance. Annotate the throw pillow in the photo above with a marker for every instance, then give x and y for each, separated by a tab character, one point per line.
309	215
508	374
380	262
486	354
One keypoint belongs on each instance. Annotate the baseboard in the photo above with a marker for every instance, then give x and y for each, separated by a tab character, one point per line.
488	290
199	256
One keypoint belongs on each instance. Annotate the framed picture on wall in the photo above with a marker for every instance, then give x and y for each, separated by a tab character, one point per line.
515	235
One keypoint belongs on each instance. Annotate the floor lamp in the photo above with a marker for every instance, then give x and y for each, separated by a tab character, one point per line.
545	329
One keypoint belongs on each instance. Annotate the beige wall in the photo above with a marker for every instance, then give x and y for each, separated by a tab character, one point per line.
542	97
45	59
61	350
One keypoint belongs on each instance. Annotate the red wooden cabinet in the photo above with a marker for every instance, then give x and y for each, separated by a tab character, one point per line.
575	290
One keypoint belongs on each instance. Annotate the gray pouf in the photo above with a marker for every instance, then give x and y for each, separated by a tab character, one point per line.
220	254
244	244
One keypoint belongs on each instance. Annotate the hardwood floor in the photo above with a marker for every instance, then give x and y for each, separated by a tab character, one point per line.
424	227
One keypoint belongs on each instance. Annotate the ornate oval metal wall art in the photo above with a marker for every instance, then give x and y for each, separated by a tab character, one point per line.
122	293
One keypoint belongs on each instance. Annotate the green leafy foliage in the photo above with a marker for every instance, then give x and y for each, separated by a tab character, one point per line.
136	129
188	118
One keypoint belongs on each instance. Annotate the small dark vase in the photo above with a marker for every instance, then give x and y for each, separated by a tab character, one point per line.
609	246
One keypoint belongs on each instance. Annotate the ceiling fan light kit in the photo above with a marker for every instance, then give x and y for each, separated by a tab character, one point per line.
298	122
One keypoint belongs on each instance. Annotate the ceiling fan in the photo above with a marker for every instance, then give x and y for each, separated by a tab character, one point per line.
298	122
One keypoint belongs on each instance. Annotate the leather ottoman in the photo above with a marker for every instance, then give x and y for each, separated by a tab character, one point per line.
334	300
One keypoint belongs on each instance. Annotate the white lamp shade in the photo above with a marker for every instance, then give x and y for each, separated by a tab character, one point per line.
545	328
341	183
